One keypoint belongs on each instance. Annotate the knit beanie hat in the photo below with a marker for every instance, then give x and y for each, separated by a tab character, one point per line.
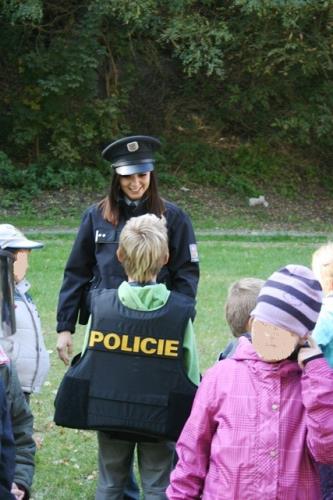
291	299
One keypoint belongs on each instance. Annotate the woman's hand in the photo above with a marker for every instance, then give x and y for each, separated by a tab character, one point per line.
65	346
18	493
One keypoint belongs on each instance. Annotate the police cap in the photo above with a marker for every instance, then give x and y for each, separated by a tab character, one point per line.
132	155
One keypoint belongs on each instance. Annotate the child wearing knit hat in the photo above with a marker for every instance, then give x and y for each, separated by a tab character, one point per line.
286	311
260	419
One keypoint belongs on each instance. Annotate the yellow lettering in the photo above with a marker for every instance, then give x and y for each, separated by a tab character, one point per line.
113	341
144	347
171	347
136	344
107	341
95	337
160	347
124	344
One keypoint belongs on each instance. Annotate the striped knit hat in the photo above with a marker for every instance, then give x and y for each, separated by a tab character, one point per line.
291	299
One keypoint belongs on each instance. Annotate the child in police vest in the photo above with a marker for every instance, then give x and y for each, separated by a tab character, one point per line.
262	418
139	371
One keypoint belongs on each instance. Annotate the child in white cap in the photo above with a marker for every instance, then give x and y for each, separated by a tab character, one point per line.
26	347
262	418
19	411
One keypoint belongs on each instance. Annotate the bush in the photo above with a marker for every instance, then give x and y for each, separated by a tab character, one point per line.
26	182
10	176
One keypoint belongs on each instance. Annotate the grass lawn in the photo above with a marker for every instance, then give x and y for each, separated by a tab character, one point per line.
66	465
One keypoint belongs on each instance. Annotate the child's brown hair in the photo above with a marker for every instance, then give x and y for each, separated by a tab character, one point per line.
241	300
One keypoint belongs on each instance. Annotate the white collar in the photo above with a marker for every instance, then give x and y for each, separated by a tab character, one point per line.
23	286
131	202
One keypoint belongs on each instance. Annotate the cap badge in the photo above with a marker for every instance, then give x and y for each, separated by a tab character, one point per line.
132	146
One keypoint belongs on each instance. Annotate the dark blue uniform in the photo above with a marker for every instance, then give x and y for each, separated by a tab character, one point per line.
93	261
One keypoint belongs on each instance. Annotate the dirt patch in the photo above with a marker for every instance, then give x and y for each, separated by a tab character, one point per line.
208	207
312	212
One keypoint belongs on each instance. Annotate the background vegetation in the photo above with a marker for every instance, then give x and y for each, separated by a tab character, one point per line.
66	459
239	91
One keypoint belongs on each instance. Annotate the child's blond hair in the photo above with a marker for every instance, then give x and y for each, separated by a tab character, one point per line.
143	247
241	300
322	265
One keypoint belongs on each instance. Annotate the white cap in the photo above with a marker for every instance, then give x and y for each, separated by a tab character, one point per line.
10	237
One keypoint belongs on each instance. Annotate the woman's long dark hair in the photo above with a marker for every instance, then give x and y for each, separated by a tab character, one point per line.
110	204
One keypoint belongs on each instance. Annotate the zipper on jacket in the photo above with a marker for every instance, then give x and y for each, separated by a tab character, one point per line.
27	304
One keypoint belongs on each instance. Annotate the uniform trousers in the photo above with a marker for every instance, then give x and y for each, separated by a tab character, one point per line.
115	458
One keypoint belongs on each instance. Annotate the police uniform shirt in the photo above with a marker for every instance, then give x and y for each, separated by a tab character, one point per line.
93	259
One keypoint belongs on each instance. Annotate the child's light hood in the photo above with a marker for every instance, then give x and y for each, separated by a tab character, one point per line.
143	298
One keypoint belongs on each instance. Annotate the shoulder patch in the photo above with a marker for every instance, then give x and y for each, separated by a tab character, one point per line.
194	252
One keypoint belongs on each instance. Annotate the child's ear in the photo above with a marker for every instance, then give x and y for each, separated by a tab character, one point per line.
165	260
120	254
249	324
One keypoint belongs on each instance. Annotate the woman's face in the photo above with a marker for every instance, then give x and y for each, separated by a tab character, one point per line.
134	186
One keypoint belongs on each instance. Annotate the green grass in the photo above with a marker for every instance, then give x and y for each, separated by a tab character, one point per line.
66	461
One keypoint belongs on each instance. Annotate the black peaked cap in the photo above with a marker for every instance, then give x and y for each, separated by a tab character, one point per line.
133	154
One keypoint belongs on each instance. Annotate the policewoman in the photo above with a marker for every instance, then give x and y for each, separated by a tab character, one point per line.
93	261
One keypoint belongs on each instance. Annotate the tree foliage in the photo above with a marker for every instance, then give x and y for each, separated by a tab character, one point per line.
77	74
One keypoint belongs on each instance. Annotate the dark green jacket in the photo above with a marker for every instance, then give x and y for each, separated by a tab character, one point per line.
22	423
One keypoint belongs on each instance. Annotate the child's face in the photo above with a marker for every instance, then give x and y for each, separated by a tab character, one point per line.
21	264
326	284
324	273
271	342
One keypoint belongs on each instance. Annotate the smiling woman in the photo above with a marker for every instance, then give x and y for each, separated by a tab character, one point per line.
93	262
134	186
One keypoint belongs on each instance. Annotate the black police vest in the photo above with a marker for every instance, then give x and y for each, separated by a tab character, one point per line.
131	378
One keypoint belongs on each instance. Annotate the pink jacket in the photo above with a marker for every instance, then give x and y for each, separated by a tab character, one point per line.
255	431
